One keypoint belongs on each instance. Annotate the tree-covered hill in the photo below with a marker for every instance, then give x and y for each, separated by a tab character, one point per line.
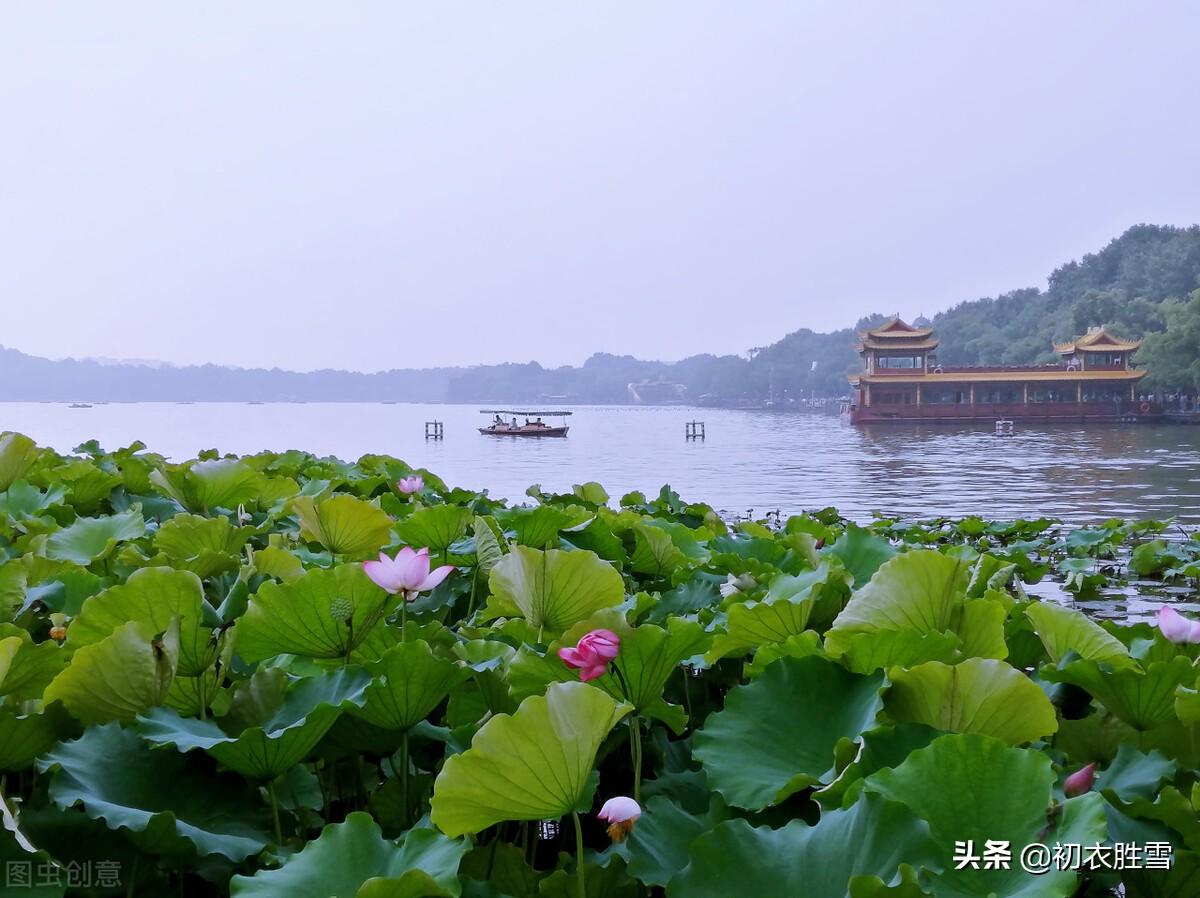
1141	285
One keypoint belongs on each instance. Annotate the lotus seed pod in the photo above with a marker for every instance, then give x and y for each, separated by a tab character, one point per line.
341	610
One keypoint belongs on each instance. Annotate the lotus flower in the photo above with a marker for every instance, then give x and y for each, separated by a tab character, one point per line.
735	584
408	572
1177	628
1080	781
592	654
410	485
620	813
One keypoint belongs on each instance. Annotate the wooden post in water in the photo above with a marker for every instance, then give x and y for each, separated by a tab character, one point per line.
433	430
693	430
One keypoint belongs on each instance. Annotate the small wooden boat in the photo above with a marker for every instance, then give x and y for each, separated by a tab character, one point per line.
531	426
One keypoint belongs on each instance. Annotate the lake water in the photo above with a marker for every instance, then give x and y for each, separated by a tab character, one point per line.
757	460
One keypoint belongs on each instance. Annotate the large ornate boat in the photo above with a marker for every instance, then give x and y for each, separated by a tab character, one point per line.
1094	381
533	425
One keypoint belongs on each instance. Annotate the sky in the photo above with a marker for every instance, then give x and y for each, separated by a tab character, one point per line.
373	185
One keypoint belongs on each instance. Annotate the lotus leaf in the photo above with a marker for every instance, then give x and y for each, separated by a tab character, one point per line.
554	589
89	539
305	617
780	733
410	681
978	695
344	525
532	765
353	860
119	677
117	778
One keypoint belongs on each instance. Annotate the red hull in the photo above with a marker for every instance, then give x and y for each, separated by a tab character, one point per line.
1065	412
525	432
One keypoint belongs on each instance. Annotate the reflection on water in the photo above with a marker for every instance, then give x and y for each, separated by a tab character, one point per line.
751	459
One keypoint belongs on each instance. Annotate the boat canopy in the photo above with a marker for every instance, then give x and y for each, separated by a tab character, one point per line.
535	412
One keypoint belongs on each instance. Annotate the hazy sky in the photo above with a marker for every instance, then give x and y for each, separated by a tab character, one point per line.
371	185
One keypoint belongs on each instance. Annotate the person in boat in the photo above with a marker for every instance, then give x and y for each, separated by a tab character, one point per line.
498	421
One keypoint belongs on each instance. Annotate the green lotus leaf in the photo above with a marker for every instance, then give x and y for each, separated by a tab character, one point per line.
979	695
982	626
204	485
871	842
280	736
532	765
658	845
154	596
1135	774
539	527
591	492
278	563
119	677
869	652
862	552
88	539
17	455
24	502
920	590
323	614
1144	700
881	748
488	549
410	681
87	485
655	553
30	666
204	546
554	589
780	733
344	525
975	788
1182	880
28	870
435	528
1064	630
799	646
23	737
753	624
354	860
161	795
649	655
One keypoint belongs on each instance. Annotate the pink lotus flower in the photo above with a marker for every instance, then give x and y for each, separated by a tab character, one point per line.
1177	628
1080	781
408	572
620	813
592	654
410	485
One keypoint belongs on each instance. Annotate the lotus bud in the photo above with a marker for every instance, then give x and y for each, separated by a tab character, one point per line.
621	813
1080	781
592	653
409	485
1177	628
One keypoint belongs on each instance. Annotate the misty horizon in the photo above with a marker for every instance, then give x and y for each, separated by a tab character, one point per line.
390	187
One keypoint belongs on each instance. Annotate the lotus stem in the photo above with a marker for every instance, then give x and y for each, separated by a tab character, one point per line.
635	745
275	813
580	881
404	775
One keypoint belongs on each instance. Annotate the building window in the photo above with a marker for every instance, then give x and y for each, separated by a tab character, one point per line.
1102	393
945	395
900	361
998	395
895	398
1104	359
1052	393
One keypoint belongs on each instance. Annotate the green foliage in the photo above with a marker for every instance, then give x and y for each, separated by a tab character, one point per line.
206	685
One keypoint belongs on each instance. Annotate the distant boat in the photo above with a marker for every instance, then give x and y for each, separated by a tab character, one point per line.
79	405
531	428
255	402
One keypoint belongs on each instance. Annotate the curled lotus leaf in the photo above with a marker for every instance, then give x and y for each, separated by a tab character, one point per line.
534	764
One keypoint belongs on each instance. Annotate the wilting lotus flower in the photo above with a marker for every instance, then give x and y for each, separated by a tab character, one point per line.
1080	781
410	485
408	572
592	654
620	813
1177	628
